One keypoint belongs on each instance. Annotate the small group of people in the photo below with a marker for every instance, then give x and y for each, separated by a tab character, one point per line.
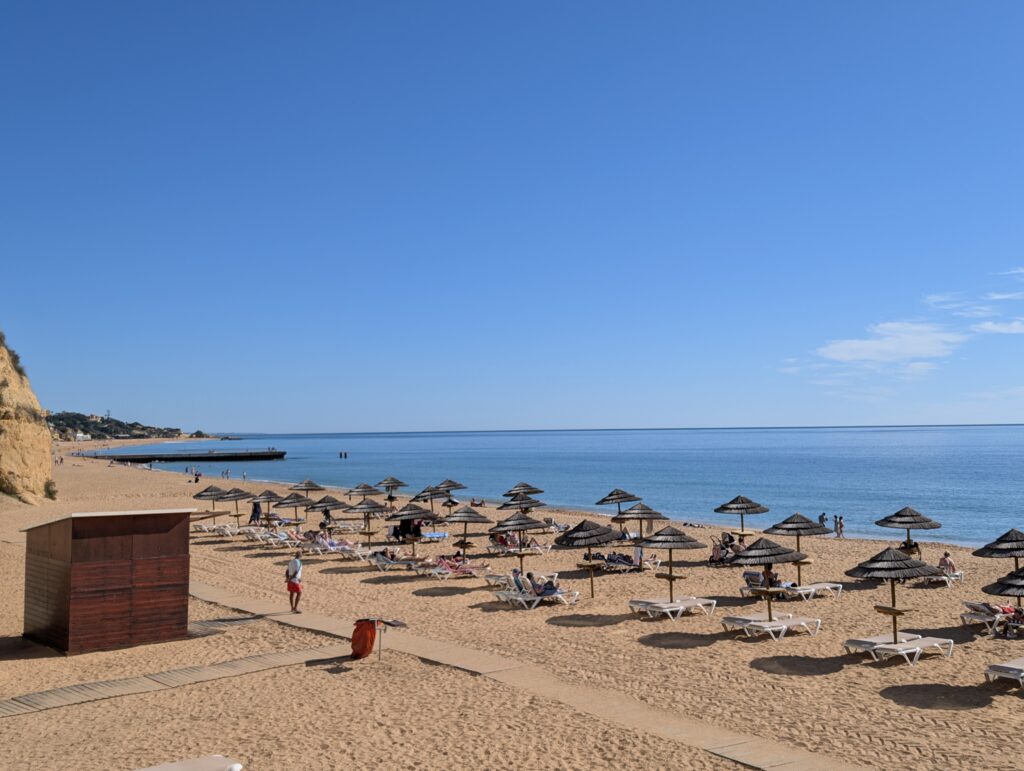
838	524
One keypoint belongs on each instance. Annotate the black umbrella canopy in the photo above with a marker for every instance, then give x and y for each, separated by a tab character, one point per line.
267	496
1009	544
366	506
1011	585
670	538
448	485
892	564
522	488
365	490
521	501
618	496
517	523
638	512
211	493
586	533
451	503
765	552
307	486
391	483
429	493
741	505
327	503
293	501
908	519
468	515
797	525
410	511
236	494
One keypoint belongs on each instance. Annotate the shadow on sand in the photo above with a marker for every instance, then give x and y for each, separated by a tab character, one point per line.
443	591
800	666
682	640
589	619
18	648
938	696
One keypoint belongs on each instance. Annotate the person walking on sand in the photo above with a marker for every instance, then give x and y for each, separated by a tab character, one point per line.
293	580
840	527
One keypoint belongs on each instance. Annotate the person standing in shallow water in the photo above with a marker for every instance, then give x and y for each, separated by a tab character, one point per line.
293	580
840	527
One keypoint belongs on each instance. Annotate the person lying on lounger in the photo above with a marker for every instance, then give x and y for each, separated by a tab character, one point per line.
546	589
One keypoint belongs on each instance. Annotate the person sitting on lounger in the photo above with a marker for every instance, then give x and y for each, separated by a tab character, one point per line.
717	554
1011	621
947	564
517	580
546	589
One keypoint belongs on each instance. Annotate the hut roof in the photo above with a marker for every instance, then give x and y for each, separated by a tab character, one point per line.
448	485
211	493
366	506
365	489
1011	585
892	564
798	524
307	486
468	515
618	496
587	533
1009	544
741	505
391	483
670	538
327	503
639	512
522	488
410	511
236	494
523	502
517	522
293	501
765	552
908	518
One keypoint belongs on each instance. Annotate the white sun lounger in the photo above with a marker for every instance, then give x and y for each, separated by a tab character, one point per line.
867	644
911	651
810	591
979	613
729	623
209	763
673	609
529	600
1010	670
947	579
777	629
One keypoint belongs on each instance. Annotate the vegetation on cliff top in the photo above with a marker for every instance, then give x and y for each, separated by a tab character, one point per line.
66	424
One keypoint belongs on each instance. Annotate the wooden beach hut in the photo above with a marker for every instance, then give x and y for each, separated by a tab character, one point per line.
107	579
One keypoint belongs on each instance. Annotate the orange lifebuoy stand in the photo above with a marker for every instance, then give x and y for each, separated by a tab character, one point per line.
363	638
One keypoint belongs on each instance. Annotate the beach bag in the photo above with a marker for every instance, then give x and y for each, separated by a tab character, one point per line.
363	638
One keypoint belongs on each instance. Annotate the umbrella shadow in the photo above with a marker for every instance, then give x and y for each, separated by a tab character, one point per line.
262	555
237	547
578	620
958	634
443	591
401	578
938	696
681	640
862	586
579	573
346	570
799	666
734	602
493	606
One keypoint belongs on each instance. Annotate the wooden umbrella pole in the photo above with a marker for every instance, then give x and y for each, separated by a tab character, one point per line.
768	597
465	541
671	579
590	569
1016	567
895	622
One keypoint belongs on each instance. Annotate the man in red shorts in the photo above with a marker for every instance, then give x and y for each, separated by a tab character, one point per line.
293	578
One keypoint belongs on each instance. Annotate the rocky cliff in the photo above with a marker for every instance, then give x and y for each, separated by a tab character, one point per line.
26	460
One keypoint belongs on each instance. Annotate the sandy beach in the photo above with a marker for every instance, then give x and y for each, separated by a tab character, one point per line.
801	691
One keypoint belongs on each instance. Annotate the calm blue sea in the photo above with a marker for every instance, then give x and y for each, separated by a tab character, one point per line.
970	478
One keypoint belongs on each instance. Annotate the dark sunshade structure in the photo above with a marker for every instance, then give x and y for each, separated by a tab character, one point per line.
391	484
211	494
744	507
236	494
618	497
892	565
365	491
522	488
1009	544
765	552
1011	585
307	486
467	516
588	534
448	485
518	523
365	509
521	502
411	511
295	501
798	525
670	538
328	503
430	494
639	512
908	519
268	497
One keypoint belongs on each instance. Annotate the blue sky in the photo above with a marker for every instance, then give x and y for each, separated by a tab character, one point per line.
464	215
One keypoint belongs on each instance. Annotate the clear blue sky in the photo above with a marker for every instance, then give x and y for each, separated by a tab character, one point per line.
459	215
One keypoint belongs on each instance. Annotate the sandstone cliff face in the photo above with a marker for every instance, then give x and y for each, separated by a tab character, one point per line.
26	460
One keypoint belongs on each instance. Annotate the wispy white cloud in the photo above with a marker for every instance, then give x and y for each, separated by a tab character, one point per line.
1012	272
1015	327
1005	296
951	301
894	342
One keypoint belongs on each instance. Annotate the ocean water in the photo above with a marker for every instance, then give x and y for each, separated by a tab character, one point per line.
969	478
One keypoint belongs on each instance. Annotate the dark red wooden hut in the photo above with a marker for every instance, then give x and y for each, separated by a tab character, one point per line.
111	579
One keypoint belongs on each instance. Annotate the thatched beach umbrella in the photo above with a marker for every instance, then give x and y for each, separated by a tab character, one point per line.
268	497
236	494
588	534
307	486
365	491
767	553
327	504
411	512
618	497
641	513
908	519
670	538
892	565
365	509
211	494
1011	585
295	501
1009	544
522	488
744	507
798	525
448	485
429	494
389	485
518	523
467	516
521	502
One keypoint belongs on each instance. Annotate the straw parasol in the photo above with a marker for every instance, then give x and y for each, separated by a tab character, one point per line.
908	519
743	506
670	538
798	525
211	494
521	502
429	494
641	513
295	501
236	494
1011	585
522	488
364	490
588	534
618	497
268	497
892	565
327	504
765	552
467	516
411	511
307	486
1009	544
448	485
518	523
365	509
391	483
